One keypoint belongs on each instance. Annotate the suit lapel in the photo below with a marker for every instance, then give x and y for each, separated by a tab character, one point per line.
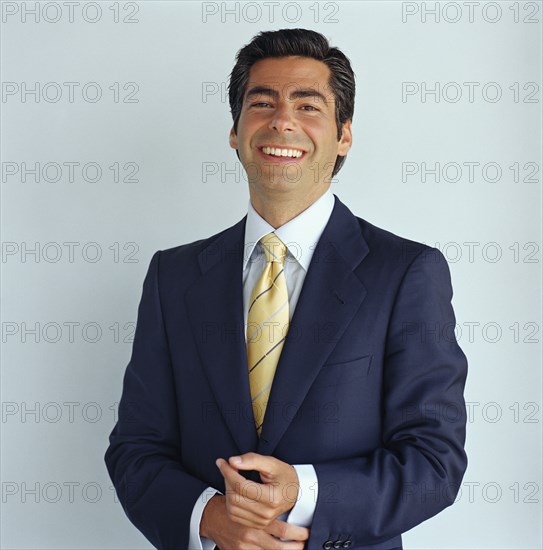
215	306
330	297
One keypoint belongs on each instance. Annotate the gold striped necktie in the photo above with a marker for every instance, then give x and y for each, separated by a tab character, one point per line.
267	325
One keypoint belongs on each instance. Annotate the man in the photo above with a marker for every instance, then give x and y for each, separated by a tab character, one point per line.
294	381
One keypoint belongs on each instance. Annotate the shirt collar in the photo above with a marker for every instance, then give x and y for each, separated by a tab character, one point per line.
301	234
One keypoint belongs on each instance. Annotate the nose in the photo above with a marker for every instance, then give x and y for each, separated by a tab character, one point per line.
282	120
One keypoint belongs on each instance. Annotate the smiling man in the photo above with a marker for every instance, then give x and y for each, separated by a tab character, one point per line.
293	382
286	135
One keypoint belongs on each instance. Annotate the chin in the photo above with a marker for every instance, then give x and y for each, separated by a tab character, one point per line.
283	186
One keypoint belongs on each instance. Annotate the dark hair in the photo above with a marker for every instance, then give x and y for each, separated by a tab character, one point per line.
302	42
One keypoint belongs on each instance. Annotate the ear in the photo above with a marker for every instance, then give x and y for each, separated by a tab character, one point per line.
233	139
344	144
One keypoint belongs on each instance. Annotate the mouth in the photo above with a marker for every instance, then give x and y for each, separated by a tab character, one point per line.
276	152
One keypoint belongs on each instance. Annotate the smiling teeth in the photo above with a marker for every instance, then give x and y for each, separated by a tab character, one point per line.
282	152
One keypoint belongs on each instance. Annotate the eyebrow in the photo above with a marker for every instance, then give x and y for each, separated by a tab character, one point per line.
296	94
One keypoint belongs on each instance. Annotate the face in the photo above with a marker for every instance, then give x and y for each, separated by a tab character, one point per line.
287	134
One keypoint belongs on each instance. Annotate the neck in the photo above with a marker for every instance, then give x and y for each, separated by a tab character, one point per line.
280	208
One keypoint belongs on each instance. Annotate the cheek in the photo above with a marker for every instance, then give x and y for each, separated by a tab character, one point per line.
245	133
320	134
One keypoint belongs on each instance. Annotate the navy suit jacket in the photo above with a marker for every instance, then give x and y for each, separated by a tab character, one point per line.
368	388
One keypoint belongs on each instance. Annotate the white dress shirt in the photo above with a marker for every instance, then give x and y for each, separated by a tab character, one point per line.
300	235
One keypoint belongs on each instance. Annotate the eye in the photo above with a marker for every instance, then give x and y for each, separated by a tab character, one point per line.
311	107
260	104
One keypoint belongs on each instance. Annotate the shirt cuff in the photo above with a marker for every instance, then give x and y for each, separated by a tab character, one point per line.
302	513
196	541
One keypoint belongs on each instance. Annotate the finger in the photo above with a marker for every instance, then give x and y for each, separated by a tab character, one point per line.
264	464
284	530
269	542
236	480
245	492
247	519
249	513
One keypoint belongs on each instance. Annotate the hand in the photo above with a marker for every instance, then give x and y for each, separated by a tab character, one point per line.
217	525
258	504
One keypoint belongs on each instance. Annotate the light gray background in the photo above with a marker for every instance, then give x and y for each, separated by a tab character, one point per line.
170	133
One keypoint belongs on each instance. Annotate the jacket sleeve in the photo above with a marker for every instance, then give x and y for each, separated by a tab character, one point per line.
418	469
144	454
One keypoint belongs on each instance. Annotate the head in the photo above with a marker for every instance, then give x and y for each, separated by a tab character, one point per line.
296	45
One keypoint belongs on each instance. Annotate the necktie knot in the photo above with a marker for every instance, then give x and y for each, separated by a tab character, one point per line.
274	248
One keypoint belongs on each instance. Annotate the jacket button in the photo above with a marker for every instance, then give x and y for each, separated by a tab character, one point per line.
328	544
347	543
338	544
